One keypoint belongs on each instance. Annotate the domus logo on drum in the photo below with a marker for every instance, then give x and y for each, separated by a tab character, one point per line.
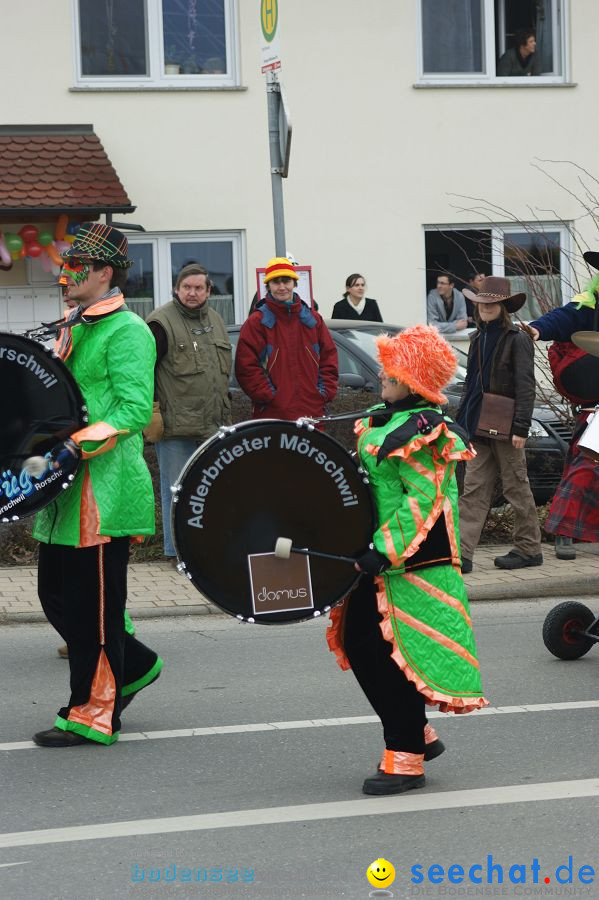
11	355
264	595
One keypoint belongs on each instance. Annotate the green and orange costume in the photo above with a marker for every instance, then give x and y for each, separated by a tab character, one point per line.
85	533
410	459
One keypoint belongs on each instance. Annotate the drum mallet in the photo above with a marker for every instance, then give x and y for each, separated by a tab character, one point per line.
284	549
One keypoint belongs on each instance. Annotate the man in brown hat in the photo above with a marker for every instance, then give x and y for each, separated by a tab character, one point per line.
500	363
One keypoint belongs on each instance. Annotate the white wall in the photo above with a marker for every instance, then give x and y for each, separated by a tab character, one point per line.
373	158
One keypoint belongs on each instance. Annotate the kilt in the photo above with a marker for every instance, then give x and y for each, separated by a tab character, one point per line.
574	510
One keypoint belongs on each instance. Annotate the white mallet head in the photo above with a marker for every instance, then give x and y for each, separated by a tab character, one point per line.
283	548
35	466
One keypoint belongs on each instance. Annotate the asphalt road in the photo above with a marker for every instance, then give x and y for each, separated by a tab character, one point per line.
277	797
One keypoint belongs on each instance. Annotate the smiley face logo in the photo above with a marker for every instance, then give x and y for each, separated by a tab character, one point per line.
380	873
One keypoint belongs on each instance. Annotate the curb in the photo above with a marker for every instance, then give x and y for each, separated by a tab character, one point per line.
583	586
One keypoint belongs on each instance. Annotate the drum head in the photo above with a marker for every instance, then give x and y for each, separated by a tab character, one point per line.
259	481
41	406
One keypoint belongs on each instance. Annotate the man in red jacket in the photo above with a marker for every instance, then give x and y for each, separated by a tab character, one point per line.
286	359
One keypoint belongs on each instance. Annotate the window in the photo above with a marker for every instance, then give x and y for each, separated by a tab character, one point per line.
153	43
534	258
158	258
475	41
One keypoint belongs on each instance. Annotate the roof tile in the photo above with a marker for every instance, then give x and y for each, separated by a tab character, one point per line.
54	170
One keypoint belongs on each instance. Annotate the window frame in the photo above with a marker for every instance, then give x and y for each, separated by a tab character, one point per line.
161	242
499	231
157	78
560	12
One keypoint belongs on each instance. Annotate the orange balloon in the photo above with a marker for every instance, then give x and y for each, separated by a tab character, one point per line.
61	227
53	254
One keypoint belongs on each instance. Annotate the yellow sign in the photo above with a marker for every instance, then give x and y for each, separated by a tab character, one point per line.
269	17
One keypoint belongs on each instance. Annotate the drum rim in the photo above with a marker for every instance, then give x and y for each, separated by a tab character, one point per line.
222	432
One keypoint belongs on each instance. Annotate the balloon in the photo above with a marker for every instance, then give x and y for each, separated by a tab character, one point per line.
45	238
6	268
46	264
28	233
54	254
15	255
13	243
61	227
73	228
4	253
61	246
33	249
69	238
22	253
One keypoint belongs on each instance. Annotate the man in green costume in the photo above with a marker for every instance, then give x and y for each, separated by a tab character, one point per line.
85	533
406	630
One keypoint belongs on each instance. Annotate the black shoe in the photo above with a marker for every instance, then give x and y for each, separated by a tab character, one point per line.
125	701
56	737
433	750
381	783
564	547
516	560
466	566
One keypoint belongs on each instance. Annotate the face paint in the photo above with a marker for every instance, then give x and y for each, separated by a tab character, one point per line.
76	269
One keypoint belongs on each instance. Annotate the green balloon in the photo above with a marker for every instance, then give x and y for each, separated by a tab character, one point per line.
13	242
45	238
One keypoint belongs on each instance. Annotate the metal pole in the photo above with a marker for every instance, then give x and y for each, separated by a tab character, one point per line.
273	97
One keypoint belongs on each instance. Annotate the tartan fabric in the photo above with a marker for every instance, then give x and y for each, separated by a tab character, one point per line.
98	241
574	511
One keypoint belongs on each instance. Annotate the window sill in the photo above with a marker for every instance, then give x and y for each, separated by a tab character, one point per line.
166	88
507	83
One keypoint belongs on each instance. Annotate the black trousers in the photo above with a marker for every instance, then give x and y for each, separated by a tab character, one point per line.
396	701
83	592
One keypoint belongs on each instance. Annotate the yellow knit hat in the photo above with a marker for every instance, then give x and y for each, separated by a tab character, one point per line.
279	267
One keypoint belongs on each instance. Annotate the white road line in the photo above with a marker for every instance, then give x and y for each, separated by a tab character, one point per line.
319	723
242	818
8	865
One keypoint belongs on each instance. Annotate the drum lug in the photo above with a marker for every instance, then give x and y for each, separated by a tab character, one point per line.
224	430
305	422
175	491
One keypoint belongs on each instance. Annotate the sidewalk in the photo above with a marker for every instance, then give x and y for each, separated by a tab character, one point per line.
157	589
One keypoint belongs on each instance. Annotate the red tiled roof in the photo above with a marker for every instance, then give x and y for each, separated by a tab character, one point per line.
54	169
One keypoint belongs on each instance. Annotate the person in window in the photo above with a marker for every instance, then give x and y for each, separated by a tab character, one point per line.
446	306
355	304
500	361
193	365
521	59
286	359
475	279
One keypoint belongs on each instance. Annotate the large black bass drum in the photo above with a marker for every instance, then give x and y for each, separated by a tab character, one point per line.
254	483
41	406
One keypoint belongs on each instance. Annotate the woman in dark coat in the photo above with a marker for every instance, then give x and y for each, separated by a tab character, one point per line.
355	305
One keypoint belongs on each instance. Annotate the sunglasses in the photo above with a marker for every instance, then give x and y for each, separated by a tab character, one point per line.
76	262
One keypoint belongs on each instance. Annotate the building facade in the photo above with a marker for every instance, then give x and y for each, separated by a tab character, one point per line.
411	154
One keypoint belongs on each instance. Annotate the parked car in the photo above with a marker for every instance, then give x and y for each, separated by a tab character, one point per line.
549	433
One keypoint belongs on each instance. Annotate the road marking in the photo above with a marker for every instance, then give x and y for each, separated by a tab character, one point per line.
319	723
8	865
242	818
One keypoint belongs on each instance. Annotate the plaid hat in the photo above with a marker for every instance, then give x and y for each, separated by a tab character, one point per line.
279	267
420	358
102	242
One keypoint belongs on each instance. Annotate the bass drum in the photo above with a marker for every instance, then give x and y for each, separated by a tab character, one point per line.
41	406
255	482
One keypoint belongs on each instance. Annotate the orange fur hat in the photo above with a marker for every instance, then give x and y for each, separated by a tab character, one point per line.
420	358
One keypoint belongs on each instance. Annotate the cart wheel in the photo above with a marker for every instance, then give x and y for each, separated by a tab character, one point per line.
559	628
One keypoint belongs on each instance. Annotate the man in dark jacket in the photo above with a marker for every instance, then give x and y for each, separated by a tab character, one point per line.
521	59
286	359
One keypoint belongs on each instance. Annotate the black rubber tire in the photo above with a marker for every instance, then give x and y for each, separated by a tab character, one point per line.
559	622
